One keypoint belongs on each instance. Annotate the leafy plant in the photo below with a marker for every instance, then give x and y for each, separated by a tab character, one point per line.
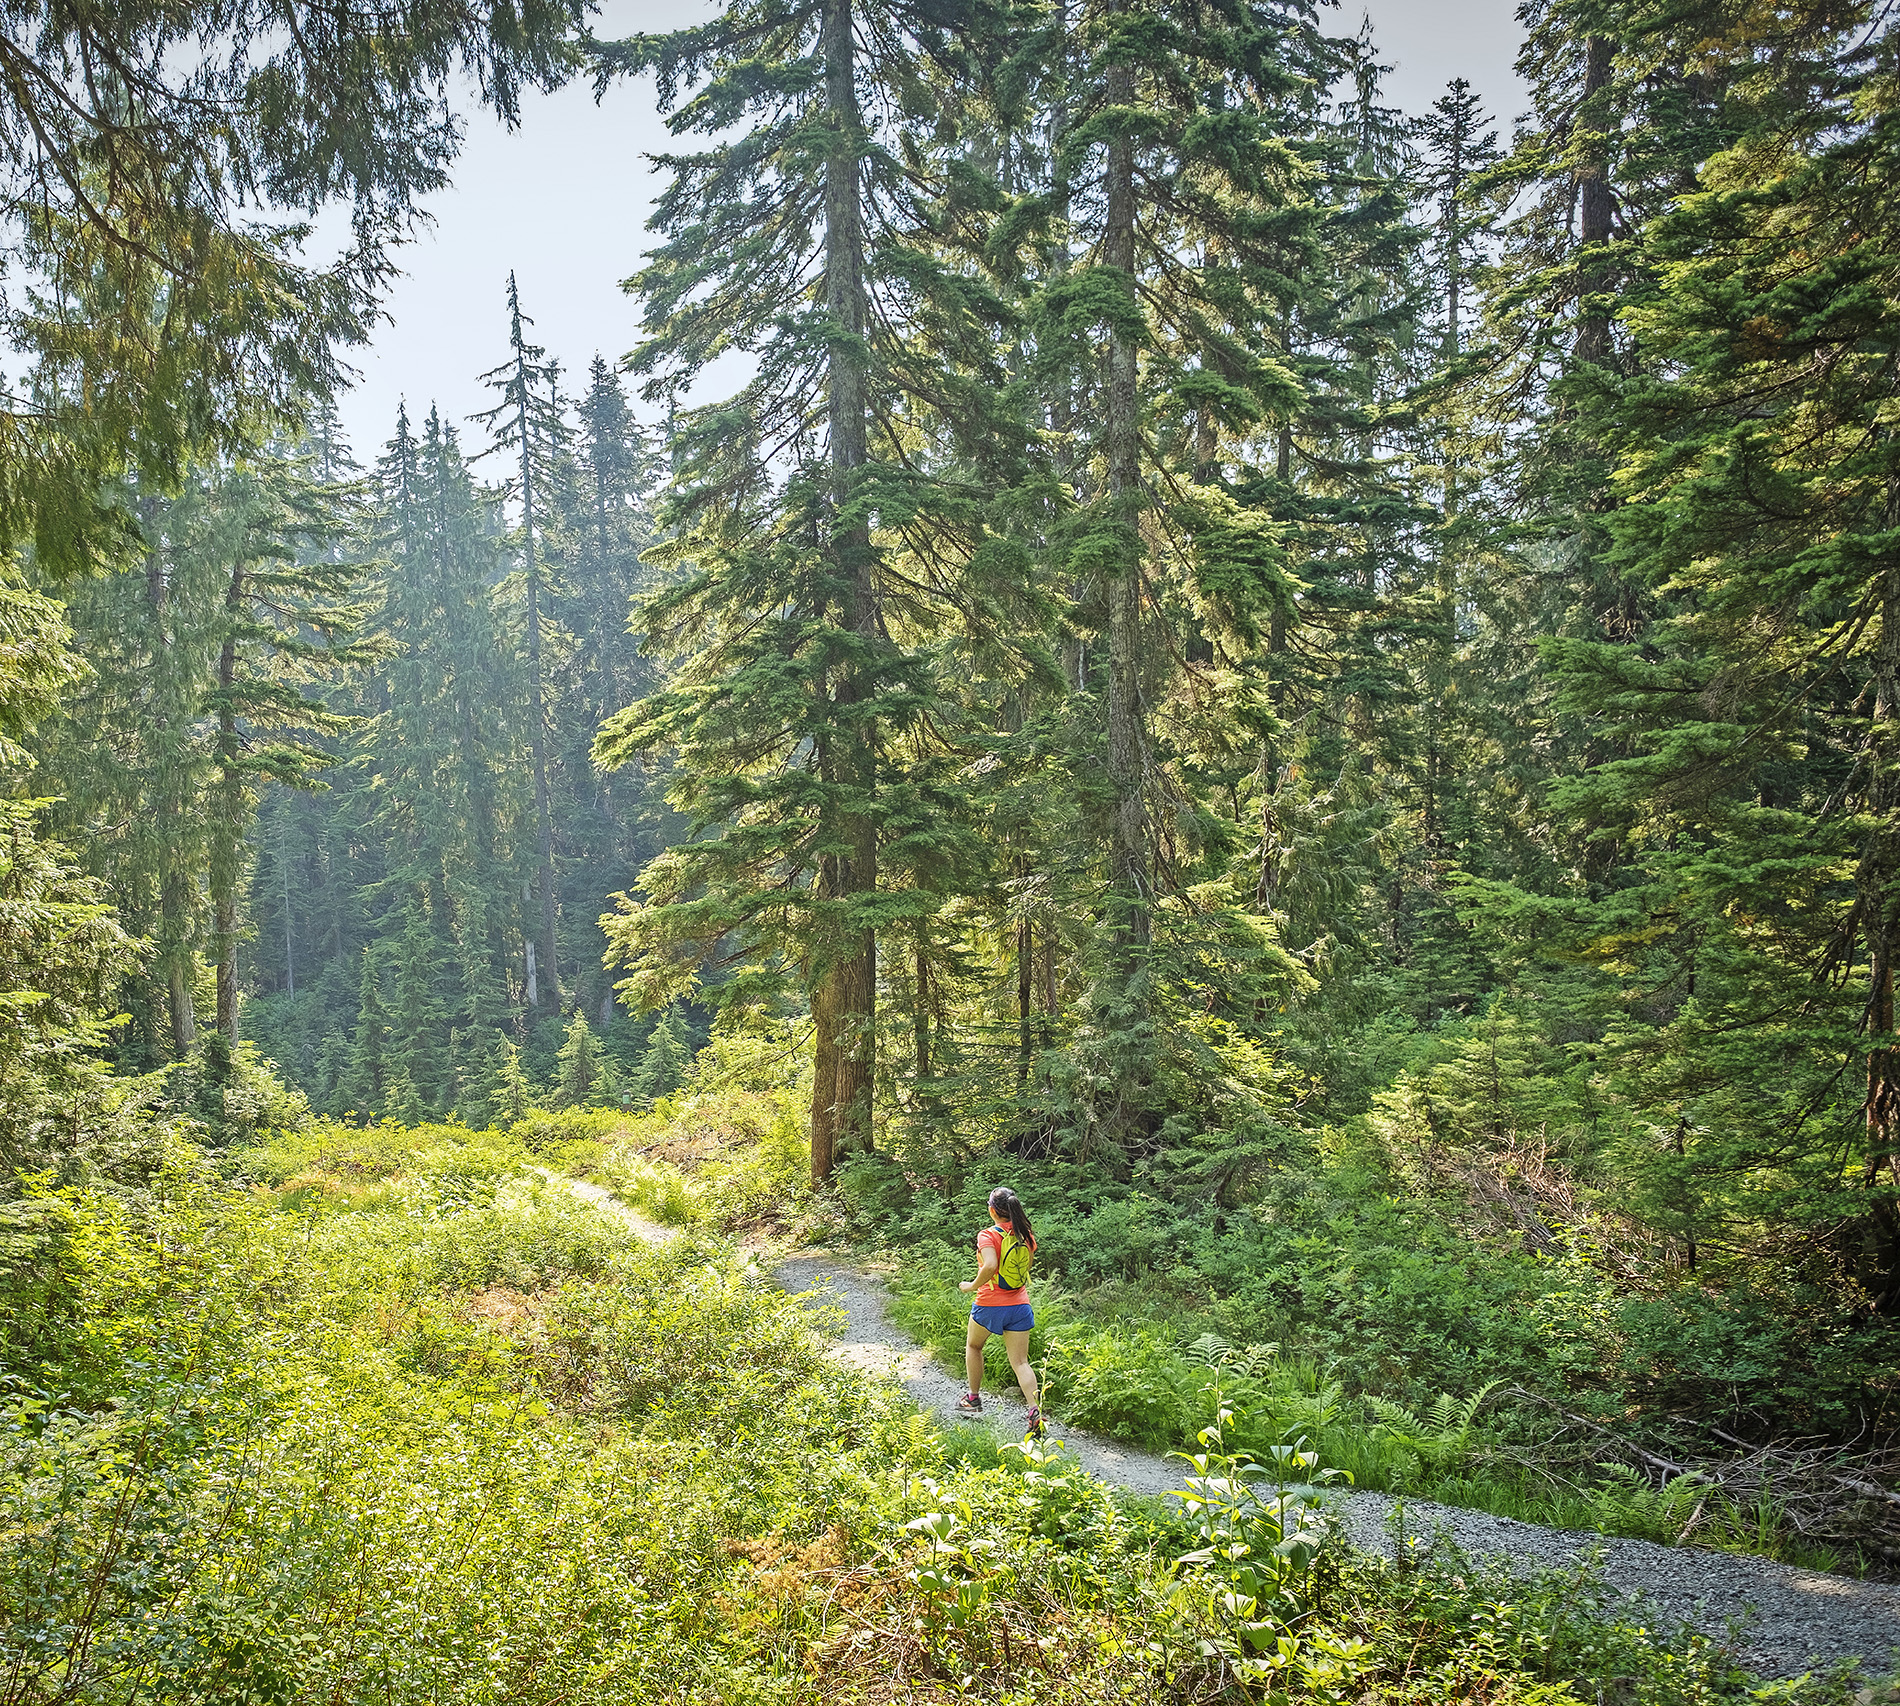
1256	1549
1441	1438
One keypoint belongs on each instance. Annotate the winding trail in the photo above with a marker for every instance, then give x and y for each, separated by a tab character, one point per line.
1787	1620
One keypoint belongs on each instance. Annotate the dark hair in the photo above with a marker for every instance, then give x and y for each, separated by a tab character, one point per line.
1009	1205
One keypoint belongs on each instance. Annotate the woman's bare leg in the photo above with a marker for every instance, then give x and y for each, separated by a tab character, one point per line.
973	1354
1016	1345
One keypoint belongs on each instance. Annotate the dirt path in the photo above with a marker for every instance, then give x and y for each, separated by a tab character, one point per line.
1791	1620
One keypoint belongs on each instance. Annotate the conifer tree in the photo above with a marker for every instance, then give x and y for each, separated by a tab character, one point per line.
369	1066
1756	530
511	1097
527	423
209	659
793	502
1215	308
664	1063
170	318
285	624
579	1084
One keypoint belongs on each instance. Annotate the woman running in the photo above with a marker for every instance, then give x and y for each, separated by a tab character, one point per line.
1003	1253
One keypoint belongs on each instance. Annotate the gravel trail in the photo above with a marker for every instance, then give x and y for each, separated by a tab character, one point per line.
1795	1620
1790	1620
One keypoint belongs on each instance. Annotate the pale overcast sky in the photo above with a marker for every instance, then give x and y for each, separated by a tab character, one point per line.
564	198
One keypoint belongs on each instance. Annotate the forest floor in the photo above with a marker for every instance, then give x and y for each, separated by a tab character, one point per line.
1781	1621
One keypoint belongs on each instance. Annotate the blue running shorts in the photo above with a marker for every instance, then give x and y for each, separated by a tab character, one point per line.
1004	1317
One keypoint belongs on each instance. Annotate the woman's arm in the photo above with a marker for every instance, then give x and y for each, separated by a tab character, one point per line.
986	1265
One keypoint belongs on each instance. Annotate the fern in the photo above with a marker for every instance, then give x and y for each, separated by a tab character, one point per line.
1626	1503
1441	1438
1211	1351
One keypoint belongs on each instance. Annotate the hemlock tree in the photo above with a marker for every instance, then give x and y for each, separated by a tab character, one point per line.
1212	314
510	1096
579	1083
167	318
200	697
285	624
668	1055
819	535
439	762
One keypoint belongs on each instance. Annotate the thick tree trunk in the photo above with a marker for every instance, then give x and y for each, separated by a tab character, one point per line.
1879	896
184	1018
1129	879
1595	205
844	1003
856	1020
824	1057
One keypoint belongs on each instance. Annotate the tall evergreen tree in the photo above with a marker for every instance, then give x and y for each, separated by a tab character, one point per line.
794	502
202	694
526	422
1746	891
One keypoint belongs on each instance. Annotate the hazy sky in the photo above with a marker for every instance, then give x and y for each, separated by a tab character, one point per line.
563	201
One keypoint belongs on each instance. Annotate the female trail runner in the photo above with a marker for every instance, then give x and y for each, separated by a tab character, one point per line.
1003	1253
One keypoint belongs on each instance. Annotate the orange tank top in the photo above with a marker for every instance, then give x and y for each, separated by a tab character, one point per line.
991	1239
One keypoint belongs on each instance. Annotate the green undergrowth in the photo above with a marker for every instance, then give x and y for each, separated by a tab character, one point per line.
1419	1361
1332	1309
389	1415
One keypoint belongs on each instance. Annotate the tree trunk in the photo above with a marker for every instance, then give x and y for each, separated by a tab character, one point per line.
174	885
1879	896
920	1013
824	1060
1131	891
1267	888
1594	208
227	827
283	871
537	690
844	1002
1025	994
184	1018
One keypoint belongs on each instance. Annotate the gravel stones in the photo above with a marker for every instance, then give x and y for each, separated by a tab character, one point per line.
1782	1621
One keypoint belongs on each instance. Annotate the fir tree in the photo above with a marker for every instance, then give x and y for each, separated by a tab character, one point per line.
369	1069
579	1083
796	502
527	423
511	1096
664	1063
1756	530
209	660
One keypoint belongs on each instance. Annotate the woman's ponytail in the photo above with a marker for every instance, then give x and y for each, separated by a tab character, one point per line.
1009	1205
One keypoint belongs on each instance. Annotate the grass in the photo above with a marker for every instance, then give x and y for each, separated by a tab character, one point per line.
385	1416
